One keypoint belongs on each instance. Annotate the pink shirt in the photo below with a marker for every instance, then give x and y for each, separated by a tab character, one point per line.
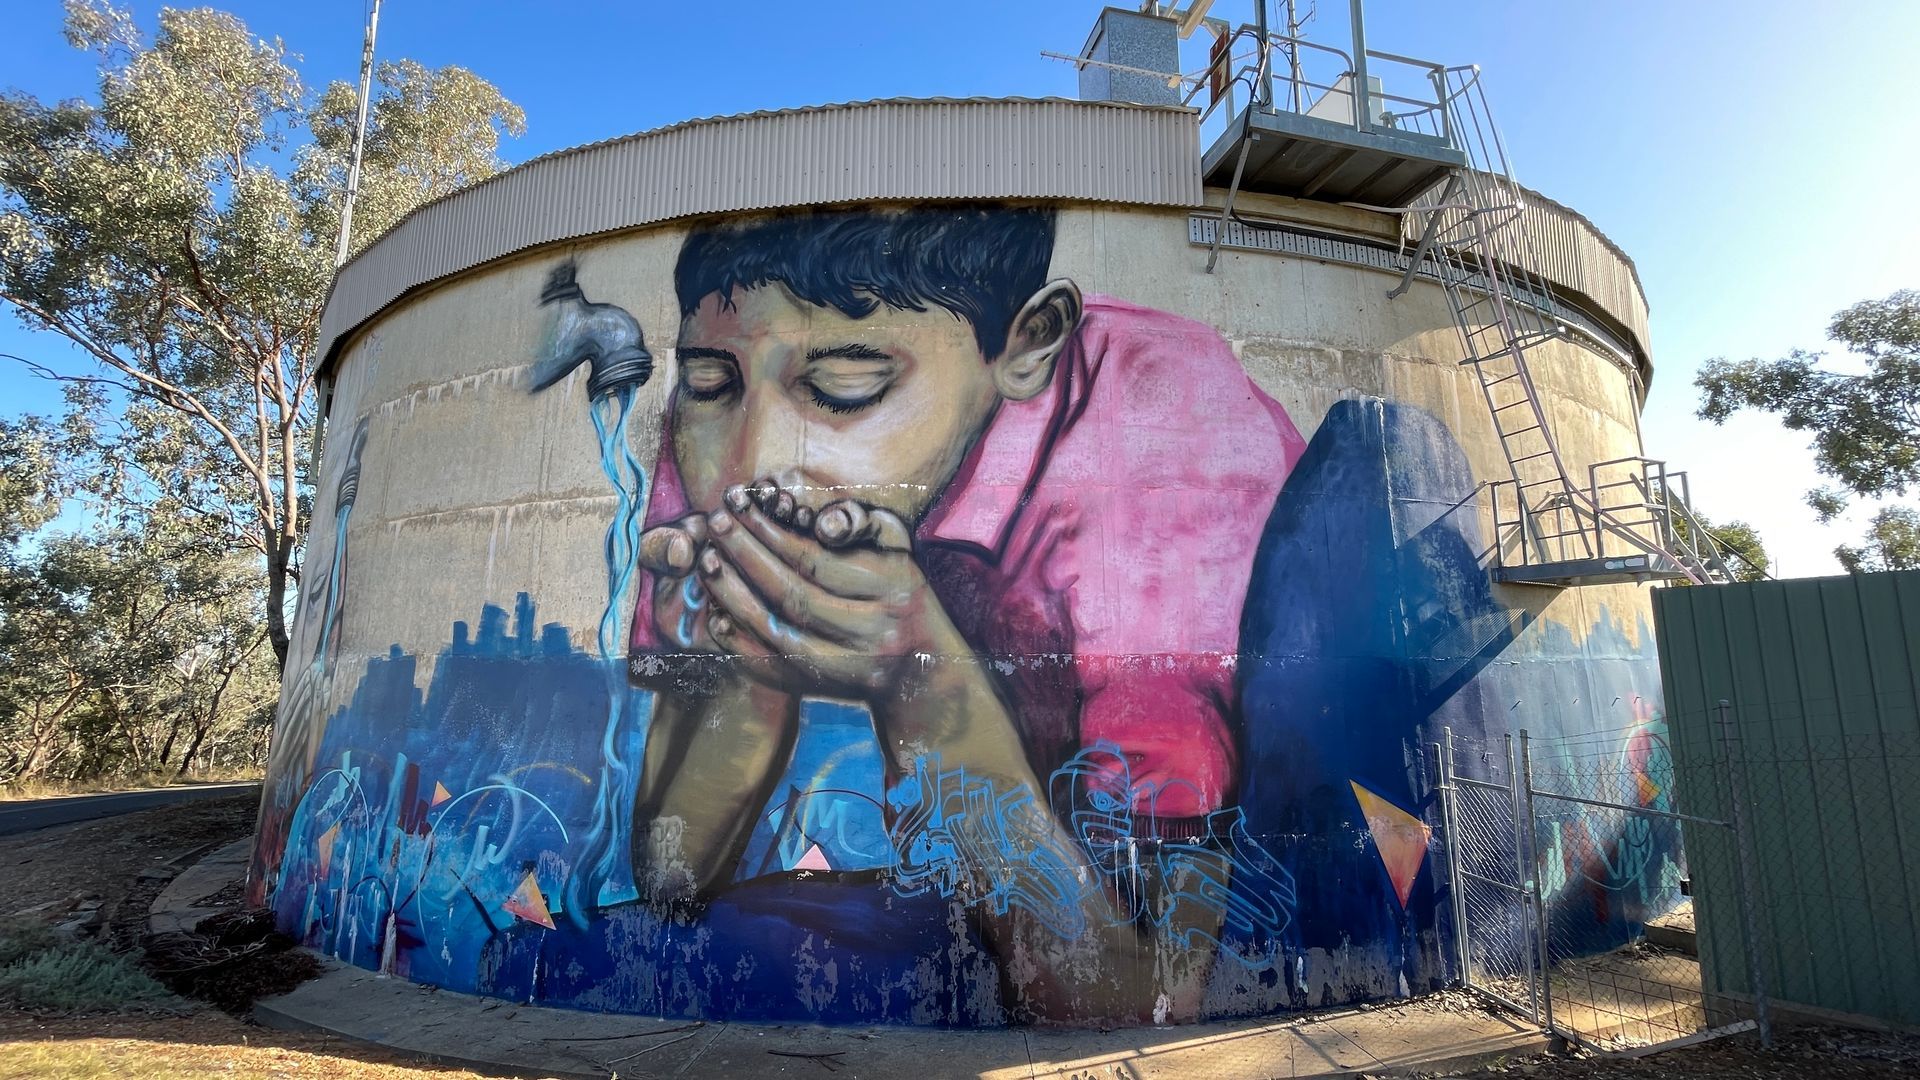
1095	548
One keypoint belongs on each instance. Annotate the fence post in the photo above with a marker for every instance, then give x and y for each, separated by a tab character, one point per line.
1749	918
1522	843
1450	818
1540	914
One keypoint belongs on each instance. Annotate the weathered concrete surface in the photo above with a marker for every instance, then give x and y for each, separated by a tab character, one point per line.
175	910
500	1038
29	814
474	489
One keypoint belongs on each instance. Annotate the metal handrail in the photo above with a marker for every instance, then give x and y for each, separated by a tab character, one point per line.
1663	503
1254	76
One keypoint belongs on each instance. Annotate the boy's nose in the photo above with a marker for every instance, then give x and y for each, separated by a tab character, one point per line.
772	446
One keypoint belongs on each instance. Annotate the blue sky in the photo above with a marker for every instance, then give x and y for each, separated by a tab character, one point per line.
1755	158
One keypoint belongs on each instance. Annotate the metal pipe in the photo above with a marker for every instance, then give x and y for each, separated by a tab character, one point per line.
1293	57
1263	93
1647	810
1362	107
1524	881
1450	813
359	139
1749	917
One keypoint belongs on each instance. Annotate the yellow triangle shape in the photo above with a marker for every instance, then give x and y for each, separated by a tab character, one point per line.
527	903
1648	790
1400	838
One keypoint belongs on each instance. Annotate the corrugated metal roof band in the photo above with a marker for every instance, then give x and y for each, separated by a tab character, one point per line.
1013	148
992	148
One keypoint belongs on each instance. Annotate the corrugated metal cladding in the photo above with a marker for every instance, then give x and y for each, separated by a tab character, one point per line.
981	148
1820	676
1571	252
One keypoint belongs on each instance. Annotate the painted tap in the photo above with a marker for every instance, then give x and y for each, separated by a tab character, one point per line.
349	486
580	331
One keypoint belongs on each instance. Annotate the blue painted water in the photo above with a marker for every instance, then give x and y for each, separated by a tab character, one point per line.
605	871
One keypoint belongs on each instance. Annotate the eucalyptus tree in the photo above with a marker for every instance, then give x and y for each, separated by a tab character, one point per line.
1865	422
178	229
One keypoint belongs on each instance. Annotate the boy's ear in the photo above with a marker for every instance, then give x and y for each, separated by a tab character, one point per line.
1036	339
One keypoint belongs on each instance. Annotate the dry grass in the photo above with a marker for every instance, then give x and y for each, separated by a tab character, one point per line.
103	858
202	1044
17	790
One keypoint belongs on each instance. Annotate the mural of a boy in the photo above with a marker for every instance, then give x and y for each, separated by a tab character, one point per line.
905	468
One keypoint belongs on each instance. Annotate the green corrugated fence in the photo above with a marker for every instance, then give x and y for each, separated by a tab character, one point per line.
1821	736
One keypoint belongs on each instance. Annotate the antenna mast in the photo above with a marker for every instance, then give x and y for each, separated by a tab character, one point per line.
359	137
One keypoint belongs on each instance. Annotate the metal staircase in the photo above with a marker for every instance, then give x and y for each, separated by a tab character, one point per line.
1632	520
1419	142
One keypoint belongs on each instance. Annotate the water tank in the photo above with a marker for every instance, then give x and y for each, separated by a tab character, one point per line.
858	565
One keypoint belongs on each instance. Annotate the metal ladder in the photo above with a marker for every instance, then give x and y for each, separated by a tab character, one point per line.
1477	243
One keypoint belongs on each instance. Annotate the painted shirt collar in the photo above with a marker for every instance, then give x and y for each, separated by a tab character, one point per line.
985	496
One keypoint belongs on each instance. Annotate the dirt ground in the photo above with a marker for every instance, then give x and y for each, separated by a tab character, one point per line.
1799	1053
105	859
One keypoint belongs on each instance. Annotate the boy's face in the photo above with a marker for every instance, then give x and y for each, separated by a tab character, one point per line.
881	409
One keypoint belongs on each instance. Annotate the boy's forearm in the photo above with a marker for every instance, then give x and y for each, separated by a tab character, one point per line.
951	708
950	712
711	761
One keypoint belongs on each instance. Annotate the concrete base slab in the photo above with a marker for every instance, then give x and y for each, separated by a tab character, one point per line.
174	909
501	1038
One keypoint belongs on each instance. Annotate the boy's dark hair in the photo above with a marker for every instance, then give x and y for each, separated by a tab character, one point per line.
981	262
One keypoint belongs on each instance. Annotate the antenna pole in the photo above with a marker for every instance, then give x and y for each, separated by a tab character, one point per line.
1362	92
359	137
1293	54
1263	93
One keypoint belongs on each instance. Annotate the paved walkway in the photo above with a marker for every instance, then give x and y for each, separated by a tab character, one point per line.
497	1037
500	1038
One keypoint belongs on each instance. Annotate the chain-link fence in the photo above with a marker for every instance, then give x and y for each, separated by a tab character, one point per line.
1583	917
1495	927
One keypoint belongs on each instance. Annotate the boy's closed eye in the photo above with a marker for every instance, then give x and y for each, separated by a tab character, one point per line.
707	374
848	378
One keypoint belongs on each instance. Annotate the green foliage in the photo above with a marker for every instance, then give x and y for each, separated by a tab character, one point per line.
1866	427
29	488
41	971
1892	543
179	229
125	652
22	937
1741	548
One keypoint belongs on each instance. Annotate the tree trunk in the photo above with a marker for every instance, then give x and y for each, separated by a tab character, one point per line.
193	747
213	712
279	560
166	748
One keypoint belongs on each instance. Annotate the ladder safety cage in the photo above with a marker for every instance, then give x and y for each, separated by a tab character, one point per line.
1632	520
1414	138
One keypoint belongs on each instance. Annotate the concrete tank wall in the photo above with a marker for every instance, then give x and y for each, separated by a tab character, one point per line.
1125	717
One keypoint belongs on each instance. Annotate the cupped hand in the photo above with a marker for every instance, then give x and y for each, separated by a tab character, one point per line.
669	552
832	600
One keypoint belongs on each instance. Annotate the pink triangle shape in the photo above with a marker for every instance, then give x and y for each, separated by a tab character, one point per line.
1400	838
527	903
814	859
